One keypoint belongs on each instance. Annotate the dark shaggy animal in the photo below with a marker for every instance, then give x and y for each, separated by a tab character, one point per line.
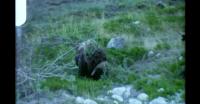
91	67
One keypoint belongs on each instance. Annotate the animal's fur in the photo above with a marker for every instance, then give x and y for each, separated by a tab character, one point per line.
88	63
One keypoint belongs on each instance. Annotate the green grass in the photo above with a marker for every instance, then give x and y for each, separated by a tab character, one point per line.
54	83
118	55
122	24
161	46
79	87
150	86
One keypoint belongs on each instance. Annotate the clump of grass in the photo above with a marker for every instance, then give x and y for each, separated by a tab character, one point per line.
151	86
103	41
132	77
95	12
161	46
79	87
118	55
117	74
172	9
54	83
153	20
122	24
90	87
175	69
177	19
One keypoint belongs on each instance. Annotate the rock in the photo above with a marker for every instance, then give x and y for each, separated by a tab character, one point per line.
180	58
89	101
134	101
103	98
136	22
177	98
161	90
158	55
115	102
118	91
100	98
79	100
158	100
65	95
117	42
150	53
117	97
143	97
127	93
172	102
161	4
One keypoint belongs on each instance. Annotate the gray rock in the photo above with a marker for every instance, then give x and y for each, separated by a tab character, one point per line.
150	53
103	98
118	91
161	90
158	100
158	55
180	58
136	22
118	98
143	97
161	4
127	93
134	101
89	101
117	42
115	102
79	100
67	96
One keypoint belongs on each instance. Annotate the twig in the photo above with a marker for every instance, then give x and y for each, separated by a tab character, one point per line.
58	58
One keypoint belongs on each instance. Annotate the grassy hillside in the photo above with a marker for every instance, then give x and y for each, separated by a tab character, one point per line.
54	28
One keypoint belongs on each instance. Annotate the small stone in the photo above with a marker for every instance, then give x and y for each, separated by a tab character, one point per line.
158	55
158	100
68	96
115	102
117	42
100	98
180	58
136	22
161	90
127	93
117	97
160	4
118	91
151	53
79	100
172	102
134	101
143	97
89	101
